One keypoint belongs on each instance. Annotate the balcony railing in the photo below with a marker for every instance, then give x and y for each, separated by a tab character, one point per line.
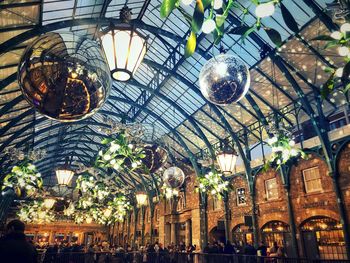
172	257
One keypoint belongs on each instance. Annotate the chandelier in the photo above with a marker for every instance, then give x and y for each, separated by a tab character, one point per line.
227	158
124	48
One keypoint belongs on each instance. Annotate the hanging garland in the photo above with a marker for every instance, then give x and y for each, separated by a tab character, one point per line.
35	212
340	40
283	150
169	192
213	183
210	16
23	178
120	154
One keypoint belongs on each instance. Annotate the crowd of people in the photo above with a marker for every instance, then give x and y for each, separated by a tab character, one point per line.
15	248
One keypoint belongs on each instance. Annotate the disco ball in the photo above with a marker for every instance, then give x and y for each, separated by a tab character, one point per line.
224	79
174	177
64	76
156	157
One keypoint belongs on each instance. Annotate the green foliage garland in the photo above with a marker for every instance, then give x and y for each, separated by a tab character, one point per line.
213	183
35	212
23	178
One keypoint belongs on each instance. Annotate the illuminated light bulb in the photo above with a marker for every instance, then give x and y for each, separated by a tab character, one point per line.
339	72
265	9
343	51
186	2
217	4
208	26
336	35
345	28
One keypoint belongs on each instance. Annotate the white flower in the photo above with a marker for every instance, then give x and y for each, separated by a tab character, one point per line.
293	152
134	165
31	167
291	143
201	185
213	192
107	157
113	162
114	147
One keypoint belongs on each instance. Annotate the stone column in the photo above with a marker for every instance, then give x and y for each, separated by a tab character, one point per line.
173	233
188	234
52	237
162	232
227	217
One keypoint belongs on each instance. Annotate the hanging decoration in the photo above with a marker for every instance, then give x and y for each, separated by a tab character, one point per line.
23	179
224	79
173	177
209	16
169	192
120	154
64	76
213	183
124	48
35	212
141	198
155	158
340	40
283	147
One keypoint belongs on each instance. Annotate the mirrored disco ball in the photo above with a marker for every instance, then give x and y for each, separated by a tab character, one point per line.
224	79
64	76
174	177
156	157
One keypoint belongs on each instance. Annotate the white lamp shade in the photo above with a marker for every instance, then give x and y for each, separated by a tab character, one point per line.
64	176
124	50
49	203
141	198
227	162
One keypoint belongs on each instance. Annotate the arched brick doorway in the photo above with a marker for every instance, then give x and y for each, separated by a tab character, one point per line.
322	238
279	232
216	235
242	234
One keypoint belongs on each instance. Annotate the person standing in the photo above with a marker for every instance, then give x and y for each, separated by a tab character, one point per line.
14	246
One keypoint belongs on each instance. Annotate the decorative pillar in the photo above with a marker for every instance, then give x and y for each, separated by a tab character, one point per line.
142	225
128	227
173	233
135	226
151	211
203	202
227	216
188	234
122	242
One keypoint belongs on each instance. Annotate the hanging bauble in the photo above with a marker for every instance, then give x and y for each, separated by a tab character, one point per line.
156	157
224	79
64	76
174	177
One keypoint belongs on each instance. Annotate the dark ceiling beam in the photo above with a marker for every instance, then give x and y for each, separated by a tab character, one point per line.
23	4
37	30
321	15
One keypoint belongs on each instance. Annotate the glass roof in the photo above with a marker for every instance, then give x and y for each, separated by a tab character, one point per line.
164	93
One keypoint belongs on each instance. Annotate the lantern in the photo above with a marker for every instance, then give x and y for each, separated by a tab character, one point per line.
141	198
64	176
124	49
227	158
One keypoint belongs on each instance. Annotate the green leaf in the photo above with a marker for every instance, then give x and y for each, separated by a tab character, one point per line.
191	44
331	44
274	36
347	88
217	36
206	3
167	7
255	2
323	38
327	87
346	73
239	30
289	19
220	20
106	140
198	17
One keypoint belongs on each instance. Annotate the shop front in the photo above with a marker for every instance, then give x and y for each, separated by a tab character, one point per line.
277	232
323	238
242	234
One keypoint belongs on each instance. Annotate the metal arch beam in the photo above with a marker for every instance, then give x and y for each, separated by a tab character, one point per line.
178	108
190	154
37	30
175	105
321	15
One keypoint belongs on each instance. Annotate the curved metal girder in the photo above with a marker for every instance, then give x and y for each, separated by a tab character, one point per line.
37	30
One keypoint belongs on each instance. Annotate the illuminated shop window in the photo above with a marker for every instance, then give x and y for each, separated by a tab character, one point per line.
312	180
271	189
